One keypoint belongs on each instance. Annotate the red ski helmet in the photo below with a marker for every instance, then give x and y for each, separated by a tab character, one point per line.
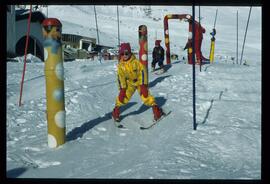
124	47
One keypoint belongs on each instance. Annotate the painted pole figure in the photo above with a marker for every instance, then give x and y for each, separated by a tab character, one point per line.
143	53
198	37
167	38
212	47
54	74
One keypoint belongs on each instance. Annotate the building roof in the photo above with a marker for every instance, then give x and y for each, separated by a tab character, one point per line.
36	16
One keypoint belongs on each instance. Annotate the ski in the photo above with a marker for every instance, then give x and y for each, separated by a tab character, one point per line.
156	69
118	124
159	72
155	122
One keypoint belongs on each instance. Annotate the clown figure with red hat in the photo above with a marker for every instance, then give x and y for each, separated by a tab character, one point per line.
132	76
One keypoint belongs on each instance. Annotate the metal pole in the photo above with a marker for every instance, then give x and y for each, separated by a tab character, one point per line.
25	52
118	26
96	23
245	36
193	67
35	47
200	30
237	37
99	53
215	19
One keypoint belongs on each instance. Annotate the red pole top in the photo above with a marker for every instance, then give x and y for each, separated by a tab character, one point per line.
51	22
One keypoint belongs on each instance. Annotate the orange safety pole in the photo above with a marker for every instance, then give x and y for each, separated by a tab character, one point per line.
25	52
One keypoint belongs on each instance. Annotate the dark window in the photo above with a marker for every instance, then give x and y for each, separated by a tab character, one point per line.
9	8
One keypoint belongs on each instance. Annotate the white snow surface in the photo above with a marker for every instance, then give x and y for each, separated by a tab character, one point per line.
226	144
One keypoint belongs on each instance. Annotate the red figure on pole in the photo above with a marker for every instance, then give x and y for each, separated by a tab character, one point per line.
199	30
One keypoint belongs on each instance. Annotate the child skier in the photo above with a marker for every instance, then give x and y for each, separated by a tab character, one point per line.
132	76
158	56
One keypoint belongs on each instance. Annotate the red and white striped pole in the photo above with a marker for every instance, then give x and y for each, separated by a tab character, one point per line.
25	52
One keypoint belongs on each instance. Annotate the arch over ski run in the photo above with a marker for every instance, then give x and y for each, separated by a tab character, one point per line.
166	31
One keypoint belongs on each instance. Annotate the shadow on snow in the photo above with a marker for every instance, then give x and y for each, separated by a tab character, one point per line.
14	173
79	131
159	100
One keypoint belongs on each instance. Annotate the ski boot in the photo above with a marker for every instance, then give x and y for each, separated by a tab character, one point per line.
157	112
116	114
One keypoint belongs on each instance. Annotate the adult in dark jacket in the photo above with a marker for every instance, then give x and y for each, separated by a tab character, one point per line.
158	55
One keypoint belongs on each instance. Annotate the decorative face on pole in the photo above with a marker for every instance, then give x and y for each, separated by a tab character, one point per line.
52	28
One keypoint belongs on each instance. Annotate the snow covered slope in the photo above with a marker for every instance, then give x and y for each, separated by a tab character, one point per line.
226	144
81	20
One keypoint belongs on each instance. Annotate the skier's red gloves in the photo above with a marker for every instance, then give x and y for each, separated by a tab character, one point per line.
122	95
144	90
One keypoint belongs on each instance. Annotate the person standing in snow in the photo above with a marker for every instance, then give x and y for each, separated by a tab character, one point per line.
158	56
132	76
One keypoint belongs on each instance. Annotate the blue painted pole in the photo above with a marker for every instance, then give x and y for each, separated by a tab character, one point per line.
193	67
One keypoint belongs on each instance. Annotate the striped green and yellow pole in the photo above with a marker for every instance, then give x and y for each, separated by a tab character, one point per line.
54	74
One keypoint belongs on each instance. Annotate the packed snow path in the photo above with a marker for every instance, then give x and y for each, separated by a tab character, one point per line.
226	144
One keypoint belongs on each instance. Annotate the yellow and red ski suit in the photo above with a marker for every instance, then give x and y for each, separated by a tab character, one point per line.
131	74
